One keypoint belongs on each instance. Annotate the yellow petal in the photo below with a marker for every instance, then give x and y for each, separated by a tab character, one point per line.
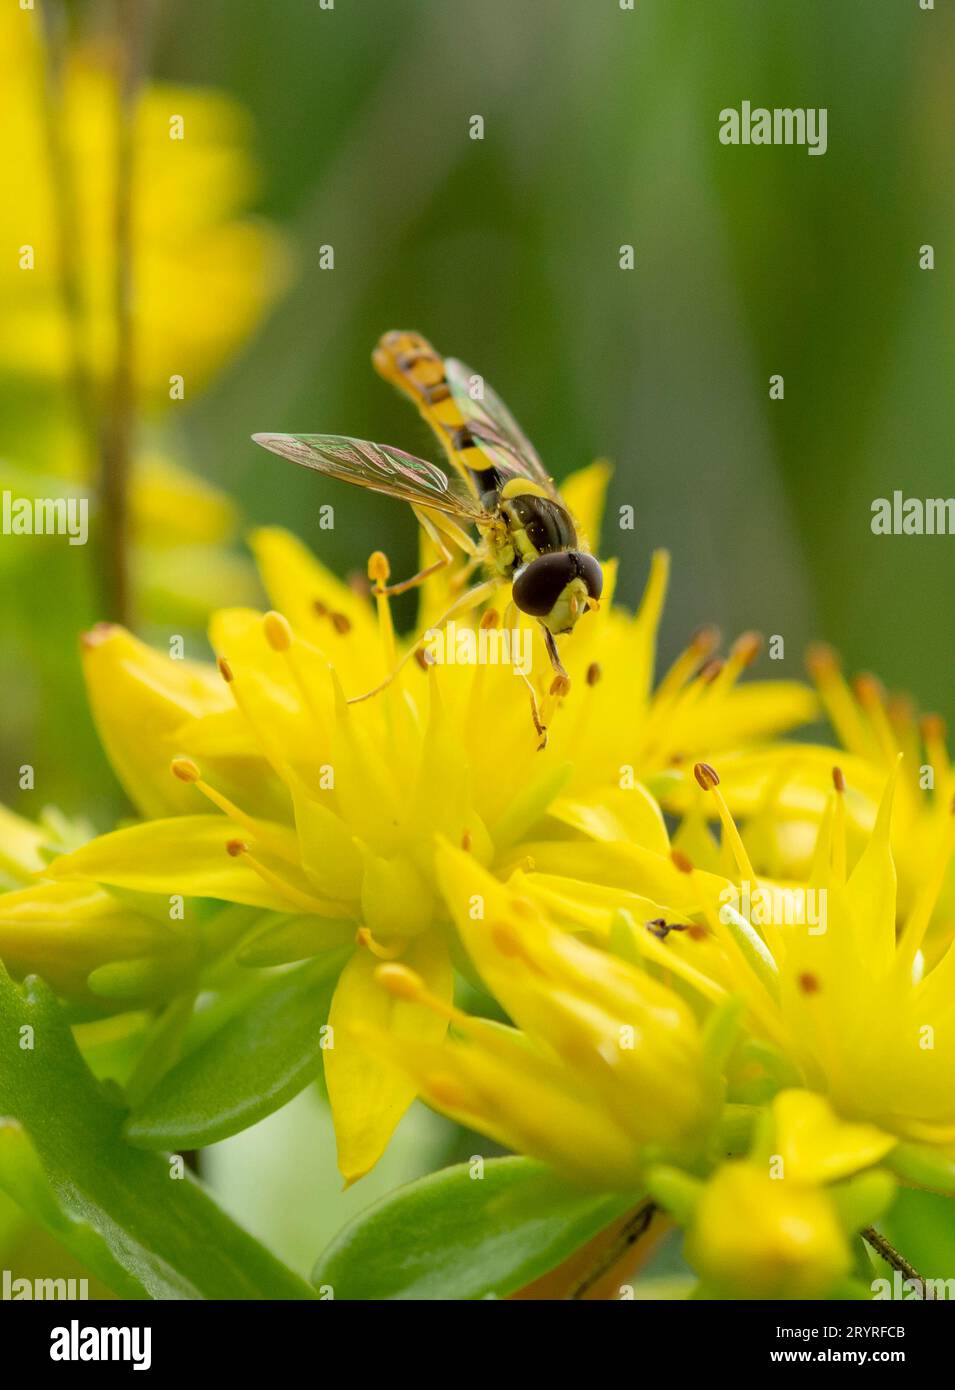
309	595
20	845
63	931
330	857
188	855
756	1237
871	895
520	1099
585	493
631	1038
758	709
139	699
172	507
644	628
615	813
816	1146
611	865
369	1094
396	899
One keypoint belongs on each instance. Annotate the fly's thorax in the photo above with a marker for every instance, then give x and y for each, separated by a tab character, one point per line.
538	525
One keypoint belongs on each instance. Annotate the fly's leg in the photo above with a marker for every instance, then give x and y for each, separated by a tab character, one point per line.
437	530
464	603
561	679
559	686
539	724
461	576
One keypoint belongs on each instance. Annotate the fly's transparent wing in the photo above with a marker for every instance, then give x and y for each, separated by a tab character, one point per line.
379	467
493	428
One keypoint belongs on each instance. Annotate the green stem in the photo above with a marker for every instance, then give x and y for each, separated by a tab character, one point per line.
889	1253
117	437
69	248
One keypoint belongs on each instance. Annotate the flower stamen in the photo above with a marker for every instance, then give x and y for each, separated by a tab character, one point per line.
871	697
839	826
188	771
708	779
281	638
379	571
824	669
304	901
702	645
363	937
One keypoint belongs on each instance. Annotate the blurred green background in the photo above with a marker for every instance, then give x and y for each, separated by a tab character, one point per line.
601	129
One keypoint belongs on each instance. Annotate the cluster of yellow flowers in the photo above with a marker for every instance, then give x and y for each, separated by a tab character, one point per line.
754	1028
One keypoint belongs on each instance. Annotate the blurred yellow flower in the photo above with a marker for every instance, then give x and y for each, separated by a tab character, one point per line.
778	1223
204	270
26	847
756	1237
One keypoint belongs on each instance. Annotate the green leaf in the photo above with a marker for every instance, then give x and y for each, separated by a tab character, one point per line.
23	1178
161	1048
255	1063
145	1233
454	1236
293	939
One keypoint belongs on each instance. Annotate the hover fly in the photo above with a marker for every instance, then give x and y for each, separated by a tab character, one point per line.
499	486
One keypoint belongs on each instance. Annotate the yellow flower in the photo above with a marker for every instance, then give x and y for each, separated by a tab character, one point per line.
777	1223
329	810
782	789
205	271
812	1145
755	1237
875	730
131	689
608	1066
855	1008
26	847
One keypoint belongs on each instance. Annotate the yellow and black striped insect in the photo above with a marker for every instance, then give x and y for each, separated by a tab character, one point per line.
499	486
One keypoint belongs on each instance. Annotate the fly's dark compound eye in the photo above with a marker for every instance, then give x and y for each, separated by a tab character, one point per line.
538	586
591	573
